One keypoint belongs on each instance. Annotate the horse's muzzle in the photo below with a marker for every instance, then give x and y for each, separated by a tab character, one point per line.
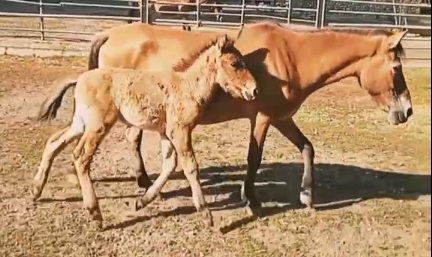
402	112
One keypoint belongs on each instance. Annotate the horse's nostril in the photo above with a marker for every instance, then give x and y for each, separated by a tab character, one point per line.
255	92
410	112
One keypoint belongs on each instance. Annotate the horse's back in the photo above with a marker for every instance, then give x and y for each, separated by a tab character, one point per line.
146	47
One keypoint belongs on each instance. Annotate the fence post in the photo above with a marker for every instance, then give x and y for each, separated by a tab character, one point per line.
321	13
289	11
143	12
198	13
395	11
41	20
147	11
243	12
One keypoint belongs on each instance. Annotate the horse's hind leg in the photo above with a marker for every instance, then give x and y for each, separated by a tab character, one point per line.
53	147
169	163
83	155
134	136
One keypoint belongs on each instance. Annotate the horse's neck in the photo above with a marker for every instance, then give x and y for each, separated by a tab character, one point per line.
332	56
200	77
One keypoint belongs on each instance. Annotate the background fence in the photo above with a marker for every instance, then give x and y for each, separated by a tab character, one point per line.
401	14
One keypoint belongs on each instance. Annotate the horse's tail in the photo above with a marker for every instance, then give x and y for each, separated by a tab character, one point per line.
97	43
52	103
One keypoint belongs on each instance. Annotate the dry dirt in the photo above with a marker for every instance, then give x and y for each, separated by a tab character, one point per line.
374	182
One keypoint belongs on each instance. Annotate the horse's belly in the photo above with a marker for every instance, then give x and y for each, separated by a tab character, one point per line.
146	119
225	108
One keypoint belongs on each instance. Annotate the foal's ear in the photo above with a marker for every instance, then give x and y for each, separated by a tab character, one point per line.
223	42
394	40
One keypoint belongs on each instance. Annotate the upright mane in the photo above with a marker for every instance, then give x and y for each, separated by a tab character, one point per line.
364	32
400	51
186	63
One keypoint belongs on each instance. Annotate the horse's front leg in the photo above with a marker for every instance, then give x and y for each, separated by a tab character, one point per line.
135	136
259	129
291	131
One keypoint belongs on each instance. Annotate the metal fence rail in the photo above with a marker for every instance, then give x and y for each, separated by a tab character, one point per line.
401	14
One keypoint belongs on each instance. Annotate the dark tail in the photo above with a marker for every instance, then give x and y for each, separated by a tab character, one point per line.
96	45
50	106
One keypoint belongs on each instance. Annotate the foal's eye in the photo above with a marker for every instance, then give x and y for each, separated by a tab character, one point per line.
237	64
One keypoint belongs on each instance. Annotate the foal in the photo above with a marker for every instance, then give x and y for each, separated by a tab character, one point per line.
169	103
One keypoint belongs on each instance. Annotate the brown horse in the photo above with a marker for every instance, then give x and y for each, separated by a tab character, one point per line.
289	66
166	102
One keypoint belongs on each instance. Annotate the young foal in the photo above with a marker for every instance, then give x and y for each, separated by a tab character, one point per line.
166	102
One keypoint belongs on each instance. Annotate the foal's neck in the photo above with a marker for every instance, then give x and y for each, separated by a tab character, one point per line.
332	56
200	77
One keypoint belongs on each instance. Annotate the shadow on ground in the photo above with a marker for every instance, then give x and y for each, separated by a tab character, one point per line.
338	186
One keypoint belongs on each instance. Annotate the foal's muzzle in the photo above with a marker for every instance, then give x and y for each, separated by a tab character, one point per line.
250	93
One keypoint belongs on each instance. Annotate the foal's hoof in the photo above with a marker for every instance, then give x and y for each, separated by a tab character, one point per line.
207	218
306	199
36	193
95	225
140	203
96	215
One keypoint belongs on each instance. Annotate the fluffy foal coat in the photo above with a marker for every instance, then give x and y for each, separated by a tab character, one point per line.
166	102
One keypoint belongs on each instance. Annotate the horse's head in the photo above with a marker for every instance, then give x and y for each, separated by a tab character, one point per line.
232	74
382	76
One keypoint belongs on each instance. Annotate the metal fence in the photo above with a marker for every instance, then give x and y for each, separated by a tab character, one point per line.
401	14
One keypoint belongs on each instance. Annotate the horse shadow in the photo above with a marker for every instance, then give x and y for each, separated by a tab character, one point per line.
278	186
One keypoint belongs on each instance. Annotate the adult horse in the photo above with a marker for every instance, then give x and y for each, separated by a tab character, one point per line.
289	66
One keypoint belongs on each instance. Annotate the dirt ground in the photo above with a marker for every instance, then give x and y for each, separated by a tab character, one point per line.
374	182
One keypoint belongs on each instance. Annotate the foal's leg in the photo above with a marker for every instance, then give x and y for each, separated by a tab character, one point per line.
169	163
290	130
53	147
182	140
259	128
83	155
134	136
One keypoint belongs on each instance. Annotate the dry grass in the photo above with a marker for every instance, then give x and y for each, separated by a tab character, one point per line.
374	182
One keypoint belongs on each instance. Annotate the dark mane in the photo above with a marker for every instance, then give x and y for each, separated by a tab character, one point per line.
187	62
400	51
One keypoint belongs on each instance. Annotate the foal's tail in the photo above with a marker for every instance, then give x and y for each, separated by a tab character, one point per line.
52	103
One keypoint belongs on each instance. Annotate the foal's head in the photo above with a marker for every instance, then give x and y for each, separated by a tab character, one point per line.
382	76
231	72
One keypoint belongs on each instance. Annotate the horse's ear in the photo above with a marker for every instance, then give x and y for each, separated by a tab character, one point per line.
222	42
394	40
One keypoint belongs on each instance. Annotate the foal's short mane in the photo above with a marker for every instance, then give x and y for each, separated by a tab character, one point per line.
186	63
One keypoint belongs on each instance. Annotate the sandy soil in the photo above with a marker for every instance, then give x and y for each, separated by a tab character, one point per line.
374	182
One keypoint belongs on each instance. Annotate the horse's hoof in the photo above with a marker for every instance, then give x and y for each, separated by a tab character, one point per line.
253	208
306	199
248	198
